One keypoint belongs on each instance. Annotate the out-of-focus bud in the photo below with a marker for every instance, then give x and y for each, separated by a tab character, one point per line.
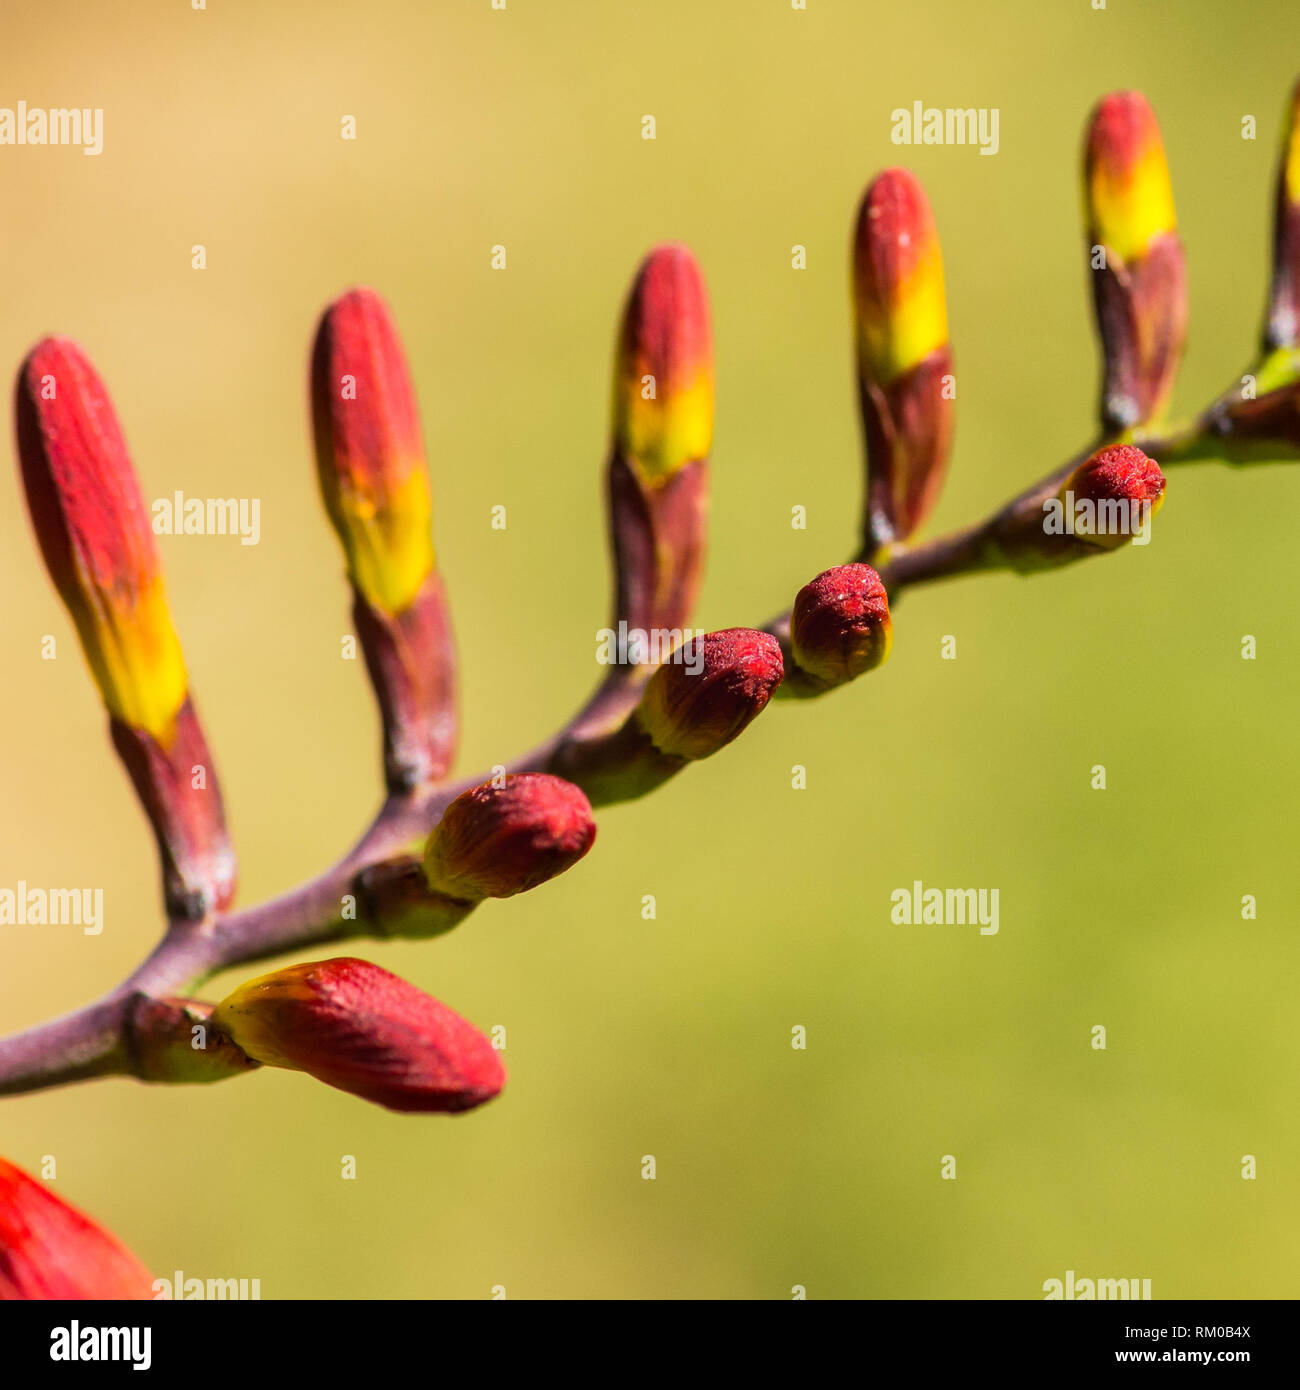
1105	503
373	477
1282	328
506	837
662	433
49	1250
171	1040
709	691
1138	275
905	377
1266	424
840	626
363	1030
93	530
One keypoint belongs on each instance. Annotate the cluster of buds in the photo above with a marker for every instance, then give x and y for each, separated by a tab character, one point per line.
437	852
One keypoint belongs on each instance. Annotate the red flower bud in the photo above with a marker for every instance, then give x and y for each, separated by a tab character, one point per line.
50	1250
1139	280
709	691
658	475
905	372
93	530
840	624
365	1031
496	840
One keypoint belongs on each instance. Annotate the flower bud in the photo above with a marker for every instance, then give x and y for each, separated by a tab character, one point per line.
94	533
170	1040
840	625
93	530
1139	279
49	1250
1282	329
499	839
709	692
375	483
368	451
663	374
365	1031
906	385
657	478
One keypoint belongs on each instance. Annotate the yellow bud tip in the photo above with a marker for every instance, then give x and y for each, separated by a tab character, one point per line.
1291	156
1129	197
663	372
898	290
93	529
369	456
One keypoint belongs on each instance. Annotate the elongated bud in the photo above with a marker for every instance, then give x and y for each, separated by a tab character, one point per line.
365	1031
1138	275
503	838
662	432
712	689
840	626
50	1250
1282	329
1105	503
375	483
93	530
905	377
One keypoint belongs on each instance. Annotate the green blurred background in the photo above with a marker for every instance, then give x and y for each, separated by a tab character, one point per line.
775	1167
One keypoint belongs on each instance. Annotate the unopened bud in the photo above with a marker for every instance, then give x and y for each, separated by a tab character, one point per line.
1136	257
1282	329
50	1250
840	625
363	1030
496	840
692	707
905	369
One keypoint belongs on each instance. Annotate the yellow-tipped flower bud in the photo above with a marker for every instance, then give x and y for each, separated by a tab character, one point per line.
663	372
369	456
93	530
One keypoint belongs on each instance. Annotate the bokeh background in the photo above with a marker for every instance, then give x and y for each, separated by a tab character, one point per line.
776	1167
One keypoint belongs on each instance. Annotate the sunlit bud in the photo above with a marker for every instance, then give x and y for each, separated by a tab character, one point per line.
365	1031
49	1250
840	625
1136	259
663	375
497	840
905	371
1283	326
369	453
93	529
709	691
1120	489
375	483
657	481
94	533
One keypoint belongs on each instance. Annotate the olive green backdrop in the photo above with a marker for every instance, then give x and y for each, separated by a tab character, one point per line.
775	1167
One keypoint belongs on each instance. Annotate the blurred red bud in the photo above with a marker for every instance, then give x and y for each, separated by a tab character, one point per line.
503	838
709	691
363	1030
49	1250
